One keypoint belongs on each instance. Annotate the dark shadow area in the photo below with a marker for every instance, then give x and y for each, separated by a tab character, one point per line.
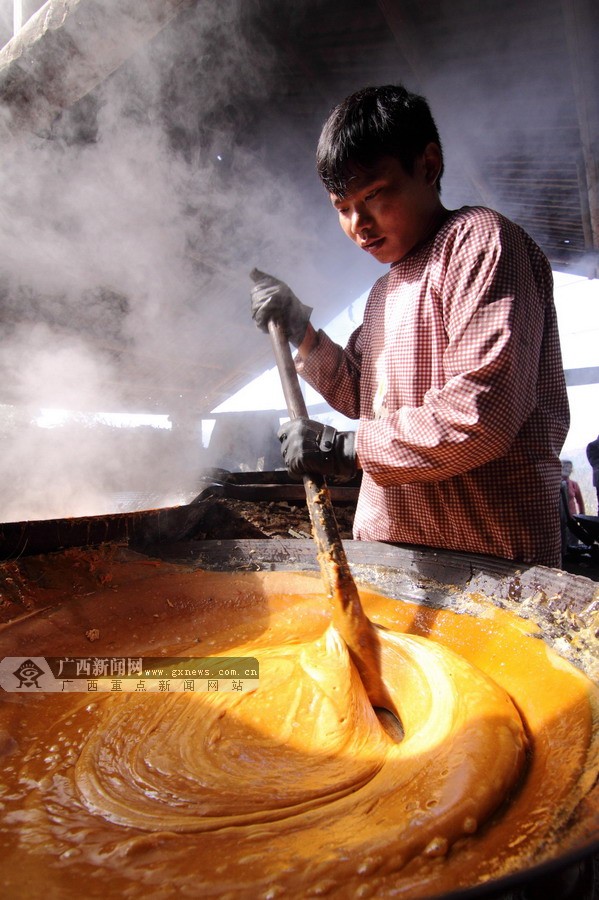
580	540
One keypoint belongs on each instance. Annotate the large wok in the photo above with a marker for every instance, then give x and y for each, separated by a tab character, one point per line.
564	606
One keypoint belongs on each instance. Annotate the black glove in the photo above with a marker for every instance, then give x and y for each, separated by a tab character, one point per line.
273	299
308	446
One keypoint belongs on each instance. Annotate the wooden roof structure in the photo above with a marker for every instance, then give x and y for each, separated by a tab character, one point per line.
513	86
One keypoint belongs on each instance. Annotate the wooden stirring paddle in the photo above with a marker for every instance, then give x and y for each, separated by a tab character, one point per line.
349	618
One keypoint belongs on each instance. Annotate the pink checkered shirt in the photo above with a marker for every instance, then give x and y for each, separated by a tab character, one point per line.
457	381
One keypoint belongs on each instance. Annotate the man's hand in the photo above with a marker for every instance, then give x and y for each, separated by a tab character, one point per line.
273	299
308	446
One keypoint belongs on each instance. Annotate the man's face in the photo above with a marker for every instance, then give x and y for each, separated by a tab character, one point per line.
386	211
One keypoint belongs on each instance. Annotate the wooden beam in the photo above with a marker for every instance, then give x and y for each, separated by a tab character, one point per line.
66	49
581	24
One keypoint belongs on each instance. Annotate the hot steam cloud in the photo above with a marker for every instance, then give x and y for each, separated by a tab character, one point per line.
129	229
125	233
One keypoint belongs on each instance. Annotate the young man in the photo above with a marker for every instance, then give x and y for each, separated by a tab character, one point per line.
455	374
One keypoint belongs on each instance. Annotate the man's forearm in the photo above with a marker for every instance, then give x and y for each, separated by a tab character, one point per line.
305	348
310	338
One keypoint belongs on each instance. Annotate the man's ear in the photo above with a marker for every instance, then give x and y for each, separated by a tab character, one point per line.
433	162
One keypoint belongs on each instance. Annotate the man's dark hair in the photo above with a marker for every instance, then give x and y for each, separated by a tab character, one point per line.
370	124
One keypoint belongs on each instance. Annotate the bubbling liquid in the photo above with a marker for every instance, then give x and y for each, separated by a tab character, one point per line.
299	788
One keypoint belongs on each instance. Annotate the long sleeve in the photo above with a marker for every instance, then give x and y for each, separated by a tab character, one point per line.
335	373
485	352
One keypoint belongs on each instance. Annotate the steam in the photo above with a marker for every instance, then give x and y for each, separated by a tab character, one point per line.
129	229
125	234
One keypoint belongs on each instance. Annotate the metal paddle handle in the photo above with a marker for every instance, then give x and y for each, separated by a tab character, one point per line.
348	616
324	524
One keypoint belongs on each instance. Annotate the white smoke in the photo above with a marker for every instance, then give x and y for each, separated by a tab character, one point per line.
117	256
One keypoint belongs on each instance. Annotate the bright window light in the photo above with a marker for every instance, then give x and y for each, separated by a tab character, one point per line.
54	418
